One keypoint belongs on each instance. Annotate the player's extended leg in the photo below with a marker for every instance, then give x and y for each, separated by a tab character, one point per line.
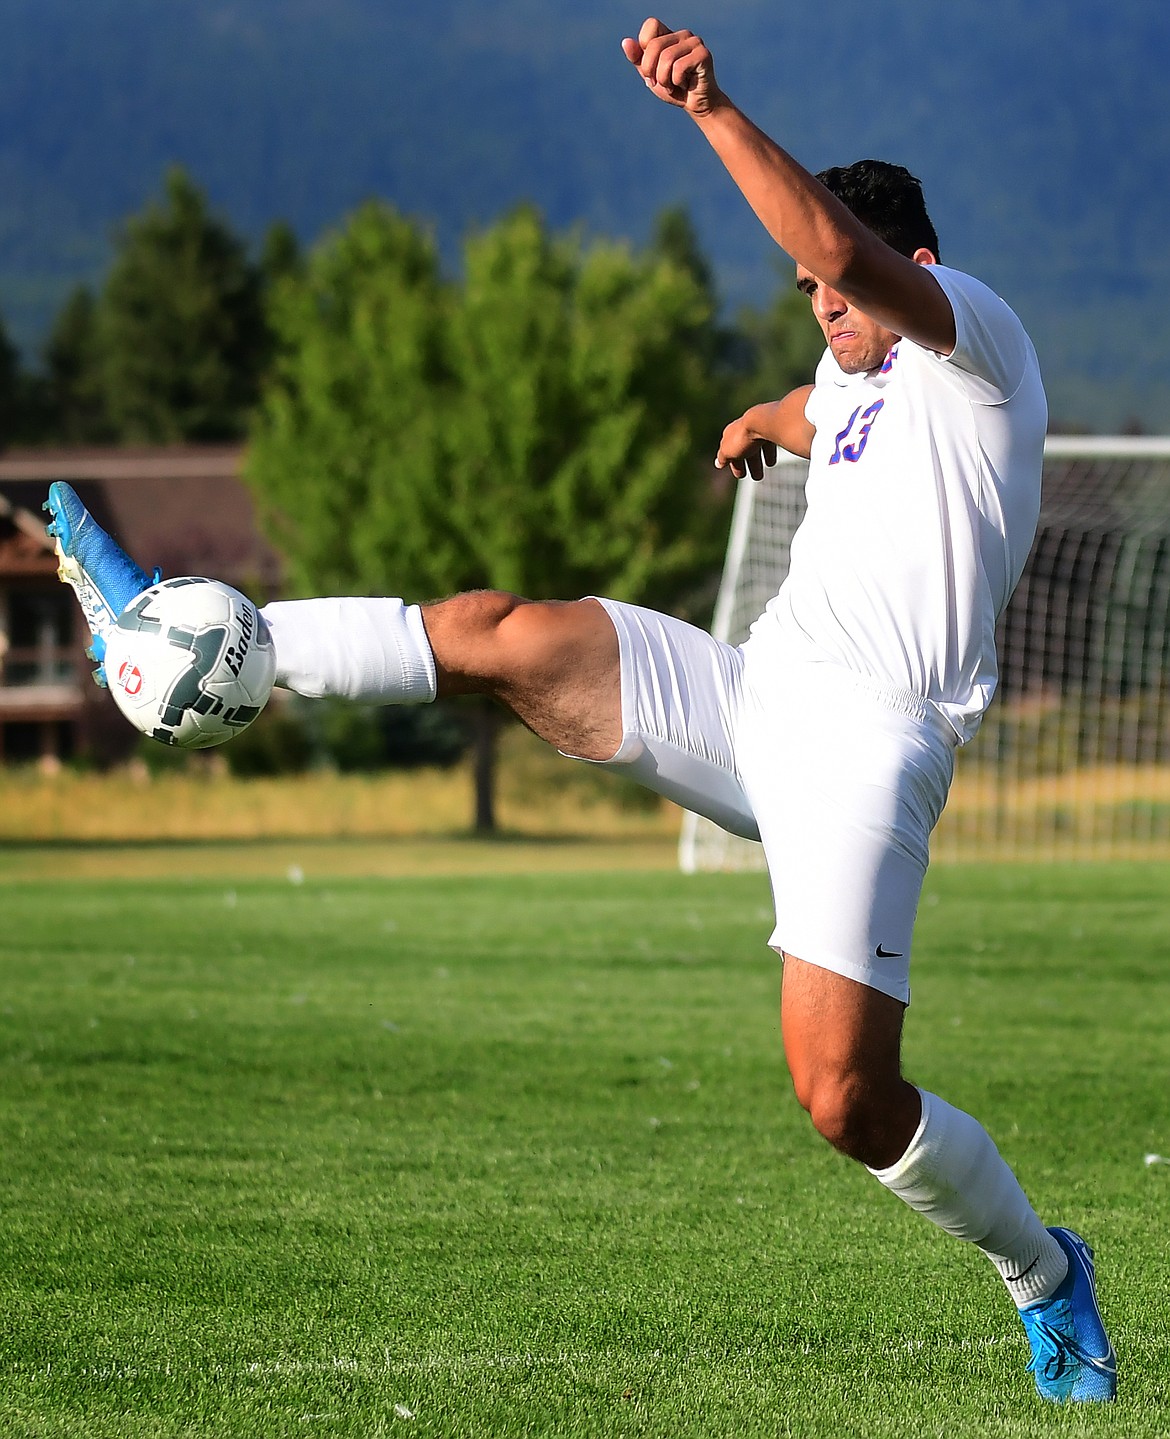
842	1040
554	664
603	681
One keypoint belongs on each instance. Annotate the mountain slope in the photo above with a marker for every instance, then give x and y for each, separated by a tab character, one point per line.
1040	134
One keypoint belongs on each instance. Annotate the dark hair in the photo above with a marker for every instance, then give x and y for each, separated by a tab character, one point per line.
887	199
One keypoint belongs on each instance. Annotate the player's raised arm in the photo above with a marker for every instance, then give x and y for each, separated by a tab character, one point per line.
798	212
752	443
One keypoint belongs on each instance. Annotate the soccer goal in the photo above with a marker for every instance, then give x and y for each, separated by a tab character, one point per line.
1073	758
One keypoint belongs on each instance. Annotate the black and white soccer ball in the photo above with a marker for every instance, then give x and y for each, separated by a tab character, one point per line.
190	662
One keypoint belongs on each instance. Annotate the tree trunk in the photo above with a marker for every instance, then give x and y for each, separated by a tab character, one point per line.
486	725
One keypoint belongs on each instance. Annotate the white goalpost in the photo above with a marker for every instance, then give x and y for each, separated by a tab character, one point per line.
1073	758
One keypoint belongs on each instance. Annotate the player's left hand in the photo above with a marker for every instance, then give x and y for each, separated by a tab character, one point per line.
676	66
744	450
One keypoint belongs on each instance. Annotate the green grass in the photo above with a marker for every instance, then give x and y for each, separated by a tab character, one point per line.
517	1155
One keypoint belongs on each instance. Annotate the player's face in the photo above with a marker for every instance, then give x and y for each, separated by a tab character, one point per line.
857	342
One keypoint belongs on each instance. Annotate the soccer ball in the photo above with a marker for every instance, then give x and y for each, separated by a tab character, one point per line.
190	662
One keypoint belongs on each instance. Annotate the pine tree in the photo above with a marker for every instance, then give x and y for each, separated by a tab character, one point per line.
180	333
9	390
72	374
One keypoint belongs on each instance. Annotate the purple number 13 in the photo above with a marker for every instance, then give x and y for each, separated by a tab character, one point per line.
852	452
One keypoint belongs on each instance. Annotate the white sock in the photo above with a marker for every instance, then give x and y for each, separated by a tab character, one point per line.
374	650
954	1175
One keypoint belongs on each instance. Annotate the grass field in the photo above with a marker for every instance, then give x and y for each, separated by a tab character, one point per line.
515	1155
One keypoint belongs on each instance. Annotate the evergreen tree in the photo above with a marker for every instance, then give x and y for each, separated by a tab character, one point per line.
77	412
9	390
180	331
280	254
675	238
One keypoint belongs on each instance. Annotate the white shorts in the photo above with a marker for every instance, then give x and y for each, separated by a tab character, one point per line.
841	779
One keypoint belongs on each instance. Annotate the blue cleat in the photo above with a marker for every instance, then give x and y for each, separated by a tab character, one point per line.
1072	1359
104	577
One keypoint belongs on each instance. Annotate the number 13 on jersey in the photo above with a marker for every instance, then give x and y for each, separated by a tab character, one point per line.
851	441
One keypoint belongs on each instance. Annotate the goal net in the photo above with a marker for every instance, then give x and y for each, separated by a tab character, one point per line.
1073	757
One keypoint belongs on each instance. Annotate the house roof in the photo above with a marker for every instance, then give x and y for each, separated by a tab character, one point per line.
183	508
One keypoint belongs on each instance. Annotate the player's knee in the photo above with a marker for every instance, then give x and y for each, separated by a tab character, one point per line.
486	610
845	1110
491	640
508	626
467	638
549	641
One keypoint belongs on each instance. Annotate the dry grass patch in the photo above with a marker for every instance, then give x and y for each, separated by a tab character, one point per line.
539	795
1091	813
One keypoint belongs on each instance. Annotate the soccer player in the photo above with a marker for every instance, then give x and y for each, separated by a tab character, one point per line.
830	734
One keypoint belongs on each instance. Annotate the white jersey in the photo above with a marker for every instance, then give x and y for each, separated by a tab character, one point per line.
923	496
